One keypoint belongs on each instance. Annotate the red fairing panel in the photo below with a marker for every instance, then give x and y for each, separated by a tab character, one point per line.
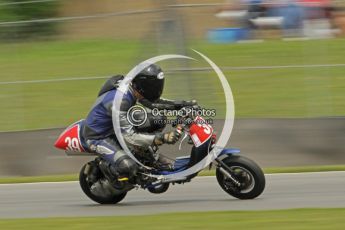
69	140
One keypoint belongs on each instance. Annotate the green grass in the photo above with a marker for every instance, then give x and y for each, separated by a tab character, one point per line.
74	177
270	93
278	219
320	168
33	179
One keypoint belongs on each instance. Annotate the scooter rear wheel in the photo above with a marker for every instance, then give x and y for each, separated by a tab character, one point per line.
85	184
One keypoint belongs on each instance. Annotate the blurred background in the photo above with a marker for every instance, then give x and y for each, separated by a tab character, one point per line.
284	60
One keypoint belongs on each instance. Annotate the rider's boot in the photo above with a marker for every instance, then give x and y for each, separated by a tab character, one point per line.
111	174
165	163
121	169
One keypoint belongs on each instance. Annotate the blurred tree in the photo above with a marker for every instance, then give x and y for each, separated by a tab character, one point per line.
14	10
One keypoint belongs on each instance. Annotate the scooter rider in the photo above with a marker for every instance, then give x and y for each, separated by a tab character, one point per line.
98	131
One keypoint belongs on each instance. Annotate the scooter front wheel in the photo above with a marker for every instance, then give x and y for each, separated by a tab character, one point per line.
245	171
159	188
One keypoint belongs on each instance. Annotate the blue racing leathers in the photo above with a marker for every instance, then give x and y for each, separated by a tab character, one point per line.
98	129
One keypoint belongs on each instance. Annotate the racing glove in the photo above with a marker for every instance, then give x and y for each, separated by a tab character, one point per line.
190	103
168	138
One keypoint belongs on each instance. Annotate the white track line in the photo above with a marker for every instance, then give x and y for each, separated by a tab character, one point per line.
53	80
83	17
177	70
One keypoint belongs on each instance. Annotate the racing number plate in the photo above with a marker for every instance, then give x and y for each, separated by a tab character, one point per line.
200	131
69	140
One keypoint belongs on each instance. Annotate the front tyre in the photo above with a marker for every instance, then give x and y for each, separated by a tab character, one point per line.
245	171
104	194
159	188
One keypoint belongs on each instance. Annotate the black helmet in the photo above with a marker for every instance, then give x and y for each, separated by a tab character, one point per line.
150	82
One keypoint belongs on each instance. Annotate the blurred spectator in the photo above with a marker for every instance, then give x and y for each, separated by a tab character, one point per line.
293	16
255	10
316	9
317	22
278	14
241	13
338	17
296	18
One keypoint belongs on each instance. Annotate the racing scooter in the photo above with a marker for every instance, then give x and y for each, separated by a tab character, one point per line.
237	175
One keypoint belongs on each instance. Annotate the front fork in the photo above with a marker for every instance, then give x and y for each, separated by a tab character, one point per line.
227	171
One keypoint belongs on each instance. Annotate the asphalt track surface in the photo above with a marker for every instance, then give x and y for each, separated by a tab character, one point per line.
65	199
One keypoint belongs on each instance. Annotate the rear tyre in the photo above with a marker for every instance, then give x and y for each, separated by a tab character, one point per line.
109	197
245	171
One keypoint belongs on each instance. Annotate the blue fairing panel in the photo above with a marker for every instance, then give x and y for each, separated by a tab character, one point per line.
230	151
179	165
181	162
